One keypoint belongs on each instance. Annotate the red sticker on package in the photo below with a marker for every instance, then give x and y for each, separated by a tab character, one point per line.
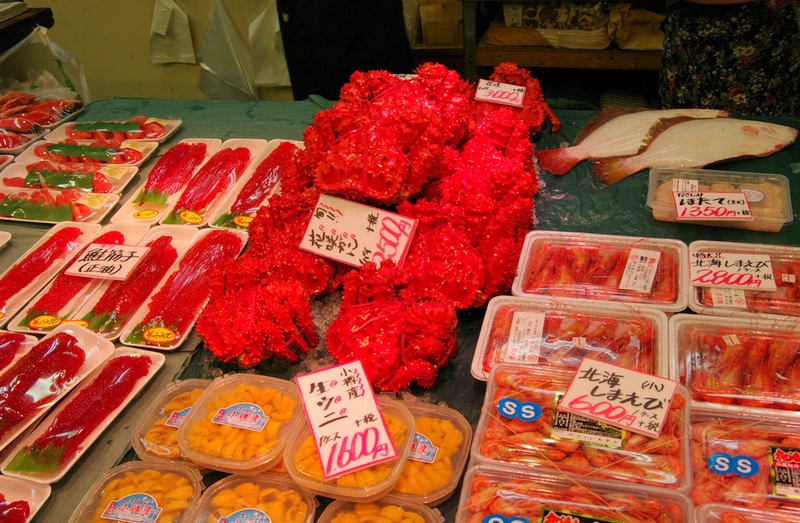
355	234
345	419
621	397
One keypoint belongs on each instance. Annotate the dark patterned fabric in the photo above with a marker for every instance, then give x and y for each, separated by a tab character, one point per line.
740	57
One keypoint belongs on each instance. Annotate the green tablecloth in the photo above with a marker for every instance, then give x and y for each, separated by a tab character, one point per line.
574	202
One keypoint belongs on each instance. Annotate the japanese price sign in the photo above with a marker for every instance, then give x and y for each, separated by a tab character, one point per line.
345	419
621	397
733	270
355	234
498	93
691	205
110	262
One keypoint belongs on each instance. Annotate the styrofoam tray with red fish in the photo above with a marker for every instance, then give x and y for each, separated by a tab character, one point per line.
16	143
137	210
114	178
45	321
545	332
5	160
156	362
111	153
199	215
34	494
602	267
254	188
20	349
168	338
735	296
180	238
33	272
4	237
96	351
54	205
90	131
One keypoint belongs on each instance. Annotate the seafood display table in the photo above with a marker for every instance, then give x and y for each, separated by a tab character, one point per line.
575	202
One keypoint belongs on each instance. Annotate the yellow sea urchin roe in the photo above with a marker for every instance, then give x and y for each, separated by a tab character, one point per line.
282	506
419	477
162	439
372	513
170	491
236	443
307	460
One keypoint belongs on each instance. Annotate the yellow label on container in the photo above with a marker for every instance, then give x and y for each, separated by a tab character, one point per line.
145	214
159	335
82	323
190	217
243	221
45	321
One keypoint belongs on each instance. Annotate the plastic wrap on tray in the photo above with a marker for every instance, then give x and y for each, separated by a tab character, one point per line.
500	494
647	271
83	177
103	151
389	508
558	441
538	332
733	301
746	460
733	362
724	513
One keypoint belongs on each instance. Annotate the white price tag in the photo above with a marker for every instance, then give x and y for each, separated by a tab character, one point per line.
500	93
732	270
525	338
640	270
730	298
110	262
691	205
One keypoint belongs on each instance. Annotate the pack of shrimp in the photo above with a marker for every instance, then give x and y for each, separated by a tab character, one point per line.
744	279
725	513
505	495
730	363
522	426
752	201
583	266
746	460
535	331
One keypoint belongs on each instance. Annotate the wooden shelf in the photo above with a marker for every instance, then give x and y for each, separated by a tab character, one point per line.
611	58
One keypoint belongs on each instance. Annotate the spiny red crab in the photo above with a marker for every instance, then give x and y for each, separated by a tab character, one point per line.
422	147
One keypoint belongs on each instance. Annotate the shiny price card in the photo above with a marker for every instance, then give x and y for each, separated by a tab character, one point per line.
345	419
500	93
354	234
691	205
732	270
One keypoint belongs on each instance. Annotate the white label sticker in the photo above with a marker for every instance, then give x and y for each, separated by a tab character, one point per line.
111	262
727	297
683	184
693	205
525	338
500	93
640	270
735	270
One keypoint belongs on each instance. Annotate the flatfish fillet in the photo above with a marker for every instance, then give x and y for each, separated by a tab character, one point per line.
697	143
616	132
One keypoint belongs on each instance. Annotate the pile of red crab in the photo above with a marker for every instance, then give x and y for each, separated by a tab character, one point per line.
422	147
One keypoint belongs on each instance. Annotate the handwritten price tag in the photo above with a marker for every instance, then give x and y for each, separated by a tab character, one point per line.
345	419
499	93
110	262
355	234
721	269
621	397
690	205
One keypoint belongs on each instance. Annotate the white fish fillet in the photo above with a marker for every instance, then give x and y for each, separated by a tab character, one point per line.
697	143
623	135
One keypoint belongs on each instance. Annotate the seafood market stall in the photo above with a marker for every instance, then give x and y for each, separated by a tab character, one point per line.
576	202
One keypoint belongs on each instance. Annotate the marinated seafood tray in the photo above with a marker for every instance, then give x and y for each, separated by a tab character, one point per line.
582	266
140	128
541	331
83	177
112	152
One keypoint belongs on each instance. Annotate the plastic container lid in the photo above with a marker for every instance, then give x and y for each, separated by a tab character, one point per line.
363	485
240	423
155	437
724	513
391	507
572	444
730	301
518	496
538	331
437	456
263	498
767	195
582	266
731	363
162	492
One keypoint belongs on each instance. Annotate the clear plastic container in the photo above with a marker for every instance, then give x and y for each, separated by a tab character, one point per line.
785	300
767	195
746	460
730	363
511	496
574	445
582	266
303	464
390	507
724	513
155	437
438	454
240	423
161	492
535	331
266	497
